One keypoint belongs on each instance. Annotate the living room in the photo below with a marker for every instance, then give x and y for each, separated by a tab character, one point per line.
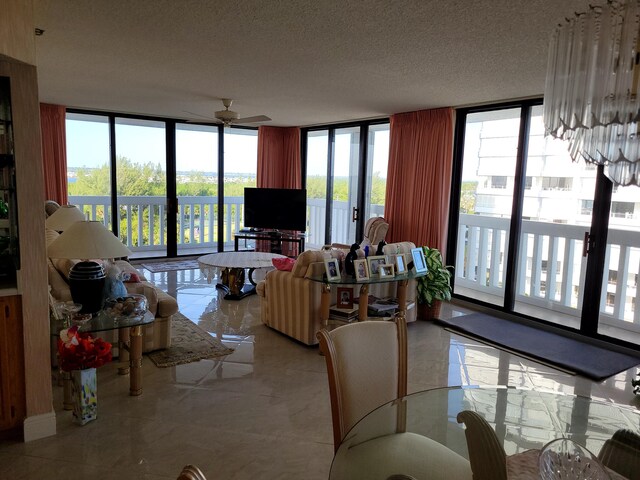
334	113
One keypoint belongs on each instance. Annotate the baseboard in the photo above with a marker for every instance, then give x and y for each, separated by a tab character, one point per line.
40	426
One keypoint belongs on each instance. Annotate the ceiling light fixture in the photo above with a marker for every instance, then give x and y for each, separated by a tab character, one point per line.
591	91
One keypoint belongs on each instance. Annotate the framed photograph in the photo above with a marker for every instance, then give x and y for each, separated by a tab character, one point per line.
419	264
386	270
374	264
345	297
399	264
362	269
333	269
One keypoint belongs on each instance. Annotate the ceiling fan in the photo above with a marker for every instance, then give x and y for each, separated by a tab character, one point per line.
229	117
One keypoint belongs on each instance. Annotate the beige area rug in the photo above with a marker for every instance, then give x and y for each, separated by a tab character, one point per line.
156	267
189	343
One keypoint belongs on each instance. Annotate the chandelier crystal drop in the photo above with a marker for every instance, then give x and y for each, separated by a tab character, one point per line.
591	91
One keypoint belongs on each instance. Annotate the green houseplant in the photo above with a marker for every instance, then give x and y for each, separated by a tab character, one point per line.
435	286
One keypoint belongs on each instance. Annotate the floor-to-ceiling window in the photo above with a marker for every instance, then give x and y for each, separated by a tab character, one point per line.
240	171
141	182
173	188
88	165
346	170
530	226
197	188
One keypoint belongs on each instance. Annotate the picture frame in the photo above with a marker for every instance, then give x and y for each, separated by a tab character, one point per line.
386	270
332	268
374	262
419	262
400	264
362	269
345	297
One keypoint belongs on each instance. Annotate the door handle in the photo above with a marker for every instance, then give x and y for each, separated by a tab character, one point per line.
586	244
354	214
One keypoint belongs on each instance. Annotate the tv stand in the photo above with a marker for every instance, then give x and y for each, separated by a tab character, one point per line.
275	237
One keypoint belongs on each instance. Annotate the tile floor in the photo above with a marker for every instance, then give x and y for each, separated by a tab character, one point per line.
260	413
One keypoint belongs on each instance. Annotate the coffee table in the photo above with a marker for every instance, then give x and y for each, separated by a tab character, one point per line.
233	265
129	347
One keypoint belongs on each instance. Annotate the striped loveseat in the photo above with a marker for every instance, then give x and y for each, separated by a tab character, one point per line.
290	301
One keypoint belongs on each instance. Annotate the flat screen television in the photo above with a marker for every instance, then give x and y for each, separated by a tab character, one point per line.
275	208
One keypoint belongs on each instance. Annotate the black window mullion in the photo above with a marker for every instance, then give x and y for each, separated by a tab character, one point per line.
515	227
329	202
220	188
597	254
456	186
172	194
115	214
362	180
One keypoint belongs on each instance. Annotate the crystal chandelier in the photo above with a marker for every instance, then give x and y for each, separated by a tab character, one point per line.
590	96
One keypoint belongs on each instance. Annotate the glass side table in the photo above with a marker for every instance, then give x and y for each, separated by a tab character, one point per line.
129	346
401	280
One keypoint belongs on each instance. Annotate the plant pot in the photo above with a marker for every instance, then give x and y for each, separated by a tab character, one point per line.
84	393
429	312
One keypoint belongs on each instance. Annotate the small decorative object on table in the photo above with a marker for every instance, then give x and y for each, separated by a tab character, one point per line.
351	257
132	305
113	285
565	459
80	354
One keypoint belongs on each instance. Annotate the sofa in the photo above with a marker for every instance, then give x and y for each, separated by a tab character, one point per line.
290	301
156	335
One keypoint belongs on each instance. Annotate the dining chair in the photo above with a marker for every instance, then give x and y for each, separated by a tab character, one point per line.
191	472
366	366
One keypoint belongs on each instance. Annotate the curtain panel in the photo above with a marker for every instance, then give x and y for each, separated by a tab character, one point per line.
279	157
54	152
419	177
279	167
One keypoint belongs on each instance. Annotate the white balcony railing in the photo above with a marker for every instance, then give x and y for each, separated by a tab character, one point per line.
551	269
198	228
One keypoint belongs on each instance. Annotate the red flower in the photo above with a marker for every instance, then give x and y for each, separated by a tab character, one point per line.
78	351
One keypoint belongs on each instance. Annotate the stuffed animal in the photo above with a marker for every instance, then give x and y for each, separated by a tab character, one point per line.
113	286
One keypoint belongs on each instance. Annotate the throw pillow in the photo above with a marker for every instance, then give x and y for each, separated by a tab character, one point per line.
283	264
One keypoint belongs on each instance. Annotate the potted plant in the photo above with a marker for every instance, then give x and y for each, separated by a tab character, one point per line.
435	286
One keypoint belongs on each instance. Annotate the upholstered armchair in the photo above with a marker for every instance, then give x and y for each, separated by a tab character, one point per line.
290	302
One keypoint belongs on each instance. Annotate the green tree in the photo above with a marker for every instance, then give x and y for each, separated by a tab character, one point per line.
468	197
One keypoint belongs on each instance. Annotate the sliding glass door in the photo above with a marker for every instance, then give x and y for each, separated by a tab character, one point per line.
346	170
537	234
197	188
141	180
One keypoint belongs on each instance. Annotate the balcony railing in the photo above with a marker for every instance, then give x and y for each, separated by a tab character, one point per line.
551	268
198	228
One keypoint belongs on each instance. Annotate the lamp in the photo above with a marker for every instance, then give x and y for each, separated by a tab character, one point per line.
63	218
590	96
87	240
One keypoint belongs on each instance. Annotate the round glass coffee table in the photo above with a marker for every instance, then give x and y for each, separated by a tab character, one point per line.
233	265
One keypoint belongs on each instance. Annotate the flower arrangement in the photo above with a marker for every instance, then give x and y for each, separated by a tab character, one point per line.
78	351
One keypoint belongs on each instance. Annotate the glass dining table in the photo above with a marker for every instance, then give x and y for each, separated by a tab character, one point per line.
420	432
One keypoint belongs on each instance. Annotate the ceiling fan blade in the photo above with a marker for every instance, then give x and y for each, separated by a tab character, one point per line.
212	119
204	122
257	118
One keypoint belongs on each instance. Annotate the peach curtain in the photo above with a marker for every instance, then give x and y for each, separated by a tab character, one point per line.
279	167
419	177
54	152
279	157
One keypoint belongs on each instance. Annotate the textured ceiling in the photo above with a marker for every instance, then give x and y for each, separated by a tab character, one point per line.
299	62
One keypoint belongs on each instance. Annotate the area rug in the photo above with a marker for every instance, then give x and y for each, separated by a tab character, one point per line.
189	343
567	353
156	267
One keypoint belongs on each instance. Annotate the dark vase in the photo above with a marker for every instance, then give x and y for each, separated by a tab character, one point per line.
349	267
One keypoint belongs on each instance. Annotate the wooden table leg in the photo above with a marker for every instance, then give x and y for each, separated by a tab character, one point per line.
135	351
325	300
123	350
402	298
363	303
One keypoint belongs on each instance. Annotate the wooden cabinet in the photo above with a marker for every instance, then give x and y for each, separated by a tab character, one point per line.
12	386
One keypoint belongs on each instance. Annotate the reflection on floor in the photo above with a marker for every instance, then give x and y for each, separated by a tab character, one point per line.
260	413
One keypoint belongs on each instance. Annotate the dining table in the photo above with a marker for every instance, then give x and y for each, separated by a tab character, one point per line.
418	436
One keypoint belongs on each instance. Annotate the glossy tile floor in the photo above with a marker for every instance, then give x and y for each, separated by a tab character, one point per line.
260	413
